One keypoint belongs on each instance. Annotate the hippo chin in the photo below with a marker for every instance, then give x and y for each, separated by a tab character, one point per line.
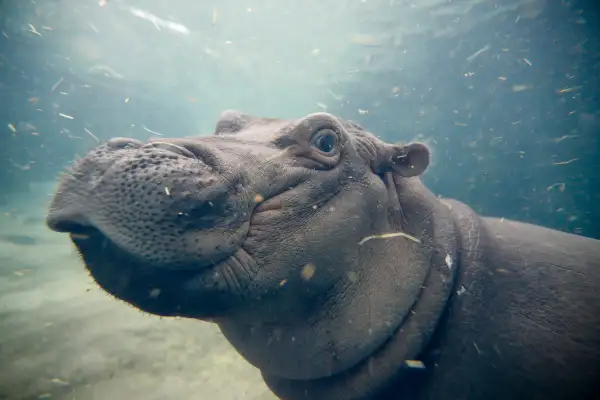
330	267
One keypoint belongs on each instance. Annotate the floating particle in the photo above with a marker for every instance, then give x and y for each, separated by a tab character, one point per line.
323	106
388	236
308	271
283	282
151	131
565	162
460	124
56	85
91	134
568	89
213	19
502	78
33	30
66	116
560	186
33	100
154	293
526	61
126	100
520	88
414	364
352	276
478	53
448	260
315	52
167	191
564	137
258	198
396	89
336	96
366	39
58	381
12	128
363	111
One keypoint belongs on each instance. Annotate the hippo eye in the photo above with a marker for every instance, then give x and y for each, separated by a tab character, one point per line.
325	140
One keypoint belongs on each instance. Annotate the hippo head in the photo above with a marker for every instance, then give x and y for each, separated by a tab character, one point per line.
277	230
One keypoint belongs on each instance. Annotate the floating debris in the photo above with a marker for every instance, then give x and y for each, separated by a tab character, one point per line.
12	128
568	89
366	39
214	16
389	236
159	22
336	96
283	282
565	162
105	70
520	88
560	186
352	276
308	271
363	111
151	131
92	135
478	53
448	260
564	137
33	30
59	382
57	84
414	364
526	61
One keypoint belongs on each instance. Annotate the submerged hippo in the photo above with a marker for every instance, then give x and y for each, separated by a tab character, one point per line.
330	267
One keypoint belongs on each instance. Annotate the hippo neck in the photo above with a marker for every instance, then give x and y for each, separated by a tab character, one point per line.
387	365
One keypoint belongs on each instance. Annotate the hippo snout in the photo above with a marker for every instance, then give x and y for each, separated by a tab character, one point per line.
166	203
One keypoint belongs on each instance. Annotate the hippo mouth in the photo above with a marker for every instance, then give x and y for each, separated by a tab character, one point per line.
177	290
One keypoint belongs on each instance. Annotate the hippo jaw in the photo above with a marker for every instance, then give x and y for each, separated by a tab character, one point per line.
258	229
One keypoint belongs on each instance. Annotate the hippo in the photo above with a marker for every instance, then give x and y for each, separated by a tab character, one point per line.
330	267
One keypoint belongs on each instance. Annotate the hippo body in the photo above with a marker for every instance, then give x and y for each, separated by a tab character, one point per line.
330	267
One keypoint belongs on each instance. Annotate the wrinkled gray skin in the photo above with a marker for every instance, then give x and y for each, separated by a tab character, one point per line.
260	228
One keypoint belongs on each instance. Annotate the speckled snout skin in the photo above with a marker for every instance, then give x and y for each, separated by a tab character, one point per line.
276	231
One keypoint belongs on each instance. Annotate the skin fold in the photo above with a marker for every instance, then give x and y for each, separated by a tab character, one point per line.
330	267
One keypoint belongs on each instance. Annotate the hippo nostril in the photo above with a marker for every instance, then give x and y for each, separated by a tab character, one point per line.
122	143
175	148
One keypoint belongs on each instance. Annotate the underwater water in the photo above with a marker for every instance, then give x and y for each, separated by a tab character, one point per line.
504	93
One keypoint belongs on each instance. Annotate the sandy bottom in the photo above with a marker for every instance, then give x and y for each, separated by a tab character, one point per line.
61	337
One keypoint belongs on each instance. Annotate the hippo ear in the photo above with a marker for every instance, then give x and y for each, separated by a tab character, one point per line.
231	121
406	160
